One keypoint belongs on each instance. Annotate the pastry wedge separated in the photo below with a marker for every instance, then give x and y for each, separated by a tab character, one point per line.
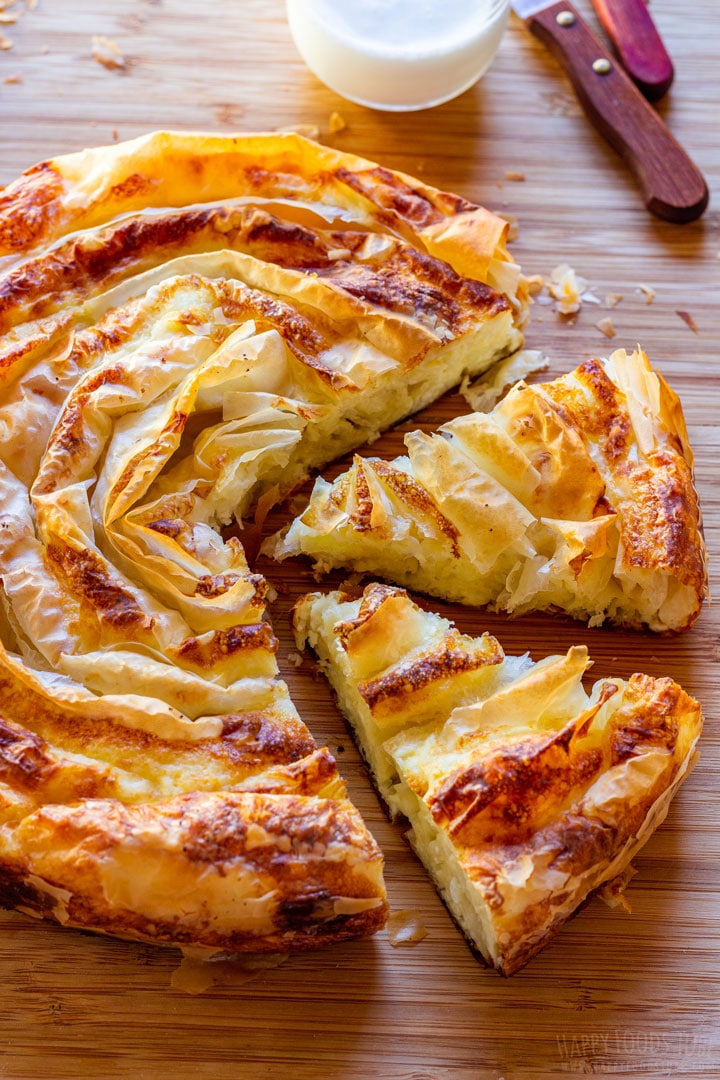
574	495
525	792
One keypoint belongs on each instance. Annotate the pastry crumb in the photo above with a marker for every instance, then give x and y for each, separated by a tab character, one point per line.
337	122
294	658
605	326
11	79
566	288
688	320
5	43
107	52
648	292
405	927
613	299
590	298
516	177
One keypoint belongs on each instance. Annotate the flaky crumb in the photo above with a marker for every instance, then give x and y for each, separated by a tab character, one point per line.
5	43
10	79
31	4
648	292
605	326
7	18
337	122
517	177
294	658
107	52
405	928
688	320
613	299
566	287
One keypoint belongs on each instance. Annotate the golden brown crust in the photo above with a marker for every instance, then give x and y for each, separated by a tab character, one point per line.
258	843
191	322
525	793
575	495
656	499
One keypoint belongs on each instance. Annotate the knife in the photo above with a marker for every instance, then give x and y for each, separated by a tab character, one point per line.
672	186
637	44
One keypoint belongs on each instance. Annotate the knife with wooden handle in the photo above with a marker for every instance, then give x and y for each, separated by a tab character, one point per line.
672	186
637	44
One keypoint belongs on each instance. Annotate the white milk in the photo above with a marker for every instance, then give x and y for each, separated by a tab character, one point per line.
397	54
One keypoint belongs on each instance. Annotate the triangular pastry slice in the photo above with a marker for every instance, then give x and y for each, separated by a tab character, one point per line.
525	792
574	495
188	324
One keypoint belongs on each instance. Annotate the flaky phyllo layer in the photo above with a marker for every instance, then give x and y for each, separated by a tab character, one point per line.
188	324
524	791
575	495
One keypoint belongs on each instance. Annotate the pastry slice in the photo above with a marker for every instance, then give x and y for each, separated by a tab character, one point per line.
574	495
296	299
224	831
525	791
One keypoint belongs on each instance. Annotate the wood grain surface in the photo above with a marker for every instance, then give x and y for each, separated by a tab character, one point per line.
624	994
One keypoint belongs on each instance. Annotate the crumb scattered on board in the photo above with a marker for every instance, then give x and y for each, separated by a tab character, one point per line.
405	927
336	122
605	326
648	292
10	18
512	174
688	320
107	52
566	288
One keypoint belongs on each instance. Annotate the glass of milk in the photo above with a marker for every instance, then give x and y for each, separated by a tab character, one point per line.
398	54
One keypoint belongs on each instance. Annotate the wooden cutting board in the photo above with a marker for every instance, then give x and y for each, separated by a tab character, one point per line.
617	993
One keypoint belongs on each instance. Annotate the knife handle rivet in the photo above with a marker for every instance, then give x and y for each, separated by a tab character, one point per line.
565	18
602	66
